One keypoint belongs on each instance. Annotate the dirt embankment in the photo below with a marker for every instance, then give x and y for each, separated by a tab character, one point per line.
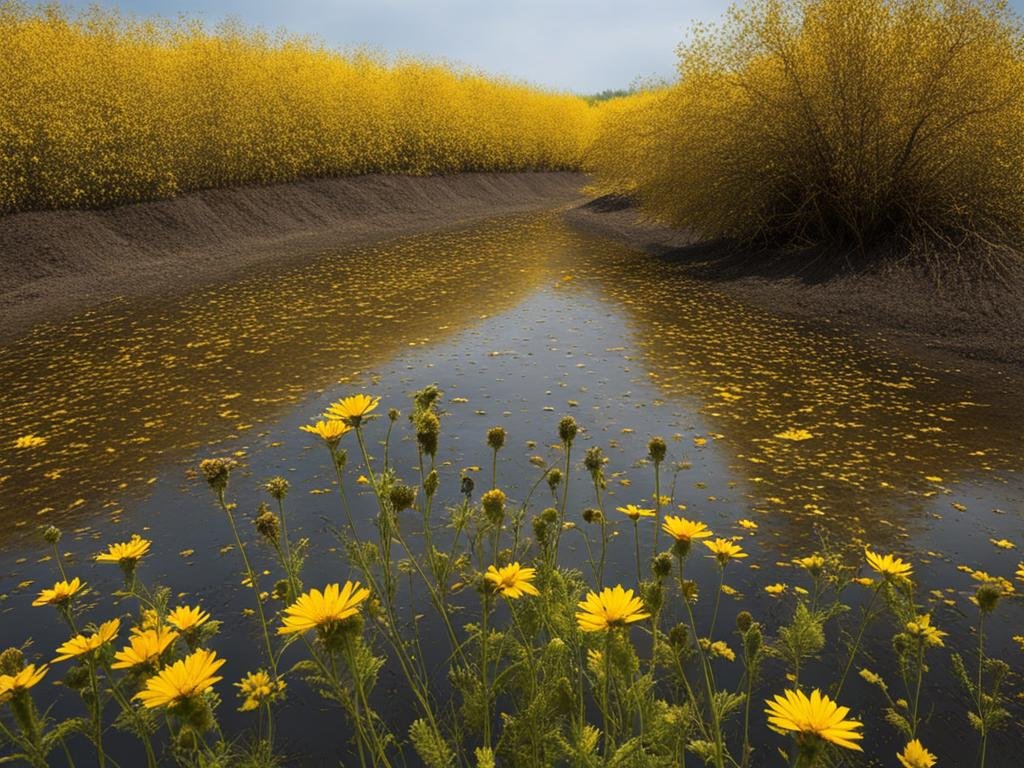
977	329
57	263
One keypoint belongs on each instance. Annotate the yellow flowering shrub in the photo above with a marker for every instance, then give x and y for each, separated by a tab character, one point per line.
842	121
99	110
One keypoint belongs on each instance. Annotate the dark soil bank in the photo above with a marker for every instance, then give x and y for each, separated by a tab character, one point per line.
57	263
979	330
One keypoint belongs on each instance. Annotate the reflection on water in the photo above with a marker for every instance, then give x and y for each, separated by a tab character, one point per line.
520	320
118	391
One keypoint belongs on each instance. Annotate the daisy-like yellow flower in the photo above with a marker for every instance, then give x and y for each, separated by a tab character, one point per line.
923	629
633	512
352	410
914	755
62	592
316	609
125	553
80	645
330	431
888	566
21	681
512	580
681	529
144	648
812	563
256	688
816	715
613	607
724	550
192	676
186	619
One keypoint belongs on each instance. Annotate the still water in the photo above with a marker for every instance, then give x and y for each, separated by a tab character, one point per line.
519	321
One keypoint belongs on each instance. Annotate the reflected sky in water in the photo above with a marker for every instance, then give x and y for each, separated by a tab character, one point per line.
519	321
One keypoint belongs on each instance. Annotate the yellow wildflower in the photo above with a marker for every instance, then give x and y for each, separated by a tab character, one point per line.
724	550
80	645
316	609
21	681
125	553
921	627
186	619
681	529
512	580
816	715
329	431
192	676
256	688
61	593
144	648
914	755
612	607
634	513
888	566
352	410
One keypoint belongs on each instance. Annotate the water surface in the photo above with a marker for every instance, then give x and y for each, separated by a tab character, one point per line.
519	321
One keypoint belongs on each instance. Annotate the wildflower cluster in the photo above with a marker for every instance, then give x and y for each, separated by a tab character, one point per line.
533	650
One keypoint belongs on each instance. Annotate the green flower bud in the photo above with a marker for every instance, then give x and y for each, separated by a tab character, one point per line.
267	524
656	449
661	566
567	429
430	483
554	478
744	621
496	438
402	497
217	471
12	661
494	505
277	487
428	429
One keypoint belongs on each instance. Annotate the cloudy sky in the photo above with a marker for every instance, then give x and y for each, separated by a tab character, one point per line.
584	46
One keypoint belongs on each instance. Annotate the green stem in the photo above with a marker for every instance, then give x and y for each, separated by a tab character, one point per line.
718	600
636	546
709	685
865	619
609	742
251	576
129	710
657	506
981	693
483	670
97	707
917	689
